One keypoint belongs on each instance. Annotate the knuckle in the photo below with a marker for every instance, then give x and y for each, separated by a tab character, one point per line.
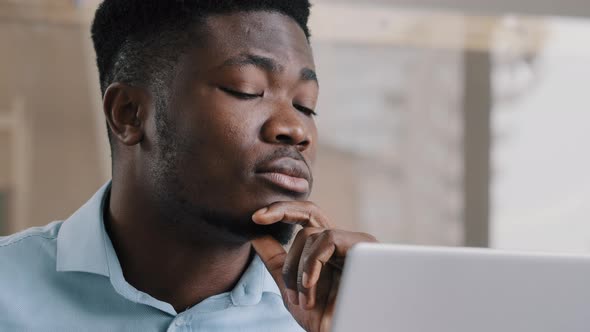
302	234
275	262
313	237
310	239
330	235
308	232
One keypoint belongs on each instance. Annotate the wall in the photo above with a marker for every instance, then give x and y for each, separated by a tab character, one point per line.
45	64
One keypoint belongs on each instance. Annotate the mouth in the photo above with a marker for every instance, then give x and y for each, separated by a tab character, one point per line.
287	174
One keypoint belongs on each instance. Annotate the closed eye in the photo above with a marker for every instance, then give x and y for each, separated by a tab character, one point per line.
305	110
240	95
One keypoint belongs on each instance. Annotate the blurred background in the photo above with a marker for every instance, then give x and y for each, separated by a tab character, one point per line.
442	122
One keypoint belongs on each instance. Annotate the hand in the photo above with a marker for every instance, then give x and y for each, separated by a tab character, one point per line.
309	274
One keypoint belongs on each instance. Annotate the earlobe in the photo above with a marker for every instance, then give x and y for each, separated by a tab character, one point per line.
122	106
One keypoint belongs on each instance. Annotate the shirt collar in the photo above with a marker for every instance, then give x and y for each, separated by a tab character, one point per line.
82	246
253	283
81	238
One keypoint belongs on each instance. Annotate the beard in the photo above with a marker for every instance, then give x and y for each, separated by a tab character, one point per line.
181	211
190	217
282	232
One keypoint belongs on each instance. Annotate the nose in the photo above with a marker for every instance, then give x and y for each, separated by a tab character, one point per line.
286	126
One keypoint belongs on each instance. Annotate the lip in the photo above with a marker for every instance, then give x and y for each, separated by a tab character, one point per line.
288	174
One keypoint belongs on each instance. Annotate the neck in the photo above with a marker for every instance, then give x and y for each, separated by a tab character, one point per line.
163	261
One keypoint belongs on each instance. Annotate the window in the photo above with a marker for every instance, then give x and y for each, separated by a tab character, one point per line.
440	127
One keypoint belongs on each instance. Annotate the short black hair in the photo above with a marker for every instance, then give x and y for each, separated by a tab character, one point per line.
138	42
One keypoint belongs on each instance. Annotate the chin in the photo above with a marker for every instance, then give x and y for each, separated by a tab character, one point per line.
281	232
277	196
240	227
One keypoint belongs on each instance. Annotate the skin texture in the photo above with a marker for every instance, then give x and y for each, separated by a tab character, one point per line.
238	137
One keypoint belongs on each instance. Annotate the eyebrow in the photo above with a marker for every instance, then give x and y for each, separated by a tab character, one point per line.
308	75
267	64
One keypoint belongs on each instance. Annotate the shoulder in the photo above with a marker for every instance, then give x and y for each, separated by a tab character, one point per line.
47	232
27	266
27	247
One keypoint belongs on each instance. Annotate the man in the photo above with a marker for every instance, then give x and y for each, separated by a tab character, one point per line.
210	113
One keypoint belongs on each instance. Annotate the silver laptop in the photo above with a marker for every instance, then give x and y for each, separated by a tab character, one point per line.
422	289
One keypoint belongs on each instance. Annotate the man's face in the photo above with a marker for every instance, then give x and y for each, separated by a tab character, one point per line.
238	133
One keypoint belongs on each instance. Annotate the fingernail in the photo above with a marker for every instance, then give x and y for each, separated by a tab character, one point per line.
303	301
261	211
305	280
292	296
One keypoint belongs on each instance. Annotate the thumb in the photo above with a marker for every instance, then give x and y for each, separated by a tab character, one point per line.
273	255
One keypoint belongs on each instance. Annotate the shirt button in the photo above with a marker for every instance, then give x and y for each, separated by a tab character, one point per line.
179	322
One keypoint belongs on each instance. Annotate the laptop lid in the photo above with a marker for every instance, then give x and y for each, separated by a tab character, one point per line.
424	289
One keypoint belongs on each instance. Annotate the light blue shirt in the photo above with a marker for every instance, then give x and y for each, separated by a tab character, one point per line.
66	277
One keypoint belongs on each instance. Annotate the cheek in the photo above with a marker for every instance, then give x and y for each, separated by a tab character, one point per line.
310	153
222	137
230	129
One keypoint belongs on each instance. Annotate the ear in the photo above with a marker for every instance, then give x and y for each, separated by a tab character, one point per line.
125	108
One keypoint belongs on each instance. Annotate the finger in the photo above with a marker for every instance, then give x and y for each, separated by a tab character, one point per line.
306	214
317	255
273	255
330	247
291	266
307	293
308	298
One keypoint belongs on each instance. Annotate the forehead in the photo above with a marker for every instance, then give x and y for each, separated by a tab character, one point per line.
258	32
